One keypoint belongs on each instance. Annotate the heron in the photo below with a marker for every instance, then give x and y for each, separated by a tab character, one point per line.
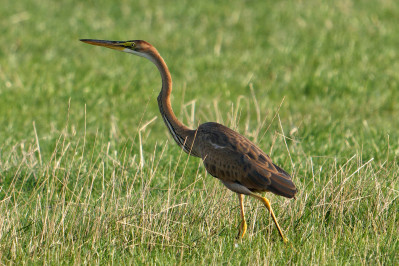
227	155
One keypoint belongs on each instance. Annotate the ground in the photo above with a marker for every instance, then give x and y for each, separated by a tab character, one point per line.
89	174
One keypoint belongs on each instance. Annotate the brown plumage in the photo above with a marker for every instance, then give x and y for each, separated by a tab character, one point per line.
237	162
231	157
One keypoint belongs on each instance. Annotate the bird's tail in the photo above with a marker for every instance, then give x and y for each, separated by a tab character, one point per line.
281	184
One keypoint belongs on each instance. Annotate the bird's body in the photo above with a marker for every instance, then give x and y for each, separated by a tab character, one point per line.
239	163
236	161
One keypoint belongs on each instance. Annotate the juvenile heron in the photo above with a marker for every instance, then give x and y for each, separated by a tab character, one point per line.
237	162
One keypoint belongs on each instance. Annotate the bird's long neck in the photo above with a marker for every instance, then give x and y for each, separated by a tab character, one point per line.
183	136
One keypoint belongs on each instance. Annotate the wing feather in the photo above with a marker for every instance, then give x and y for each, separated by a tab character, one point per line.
231	157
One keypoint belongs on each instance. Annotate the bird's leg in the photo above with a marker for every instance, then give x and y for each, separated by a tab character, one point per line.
266	202
243	225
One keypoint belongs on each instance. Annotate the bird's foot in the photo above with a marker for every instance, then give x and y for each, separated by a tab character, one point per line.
243	230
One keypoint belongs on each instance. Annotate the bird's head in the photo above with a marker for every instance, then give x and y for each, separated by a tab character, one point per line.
137	47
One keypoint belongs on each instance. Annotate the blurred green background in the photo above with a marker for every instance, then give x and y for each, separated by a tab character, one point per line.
335	63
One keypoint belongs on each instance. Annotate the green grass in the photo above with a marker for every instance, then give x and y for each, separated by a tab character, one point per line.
315	85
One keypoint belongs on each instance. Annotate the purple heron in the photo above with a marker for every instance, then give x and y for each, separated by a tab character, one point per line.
237	162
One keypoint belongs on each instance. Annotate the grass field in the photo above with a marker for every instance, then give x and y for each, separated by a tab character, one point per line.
89	173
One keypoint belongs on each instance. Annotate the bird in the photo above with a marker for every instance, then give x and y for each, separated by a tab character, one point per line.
227	155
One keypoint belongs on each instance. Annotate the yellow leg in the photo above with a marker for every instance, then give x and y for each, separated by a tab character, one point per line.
266	202
243	226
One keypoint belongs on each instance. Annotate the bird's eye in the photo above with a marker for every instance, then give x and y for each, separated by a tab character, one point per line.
130	44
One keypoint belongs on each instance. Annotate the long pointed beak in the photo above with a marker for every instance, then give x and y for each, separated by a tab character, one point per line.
117	45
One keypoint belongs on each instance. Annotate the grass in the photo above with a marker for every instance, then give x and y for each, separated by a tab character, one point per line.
88	176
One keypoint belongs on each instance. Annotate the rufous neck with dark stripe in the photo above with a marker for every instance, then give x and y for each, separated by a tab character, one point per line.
181	133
